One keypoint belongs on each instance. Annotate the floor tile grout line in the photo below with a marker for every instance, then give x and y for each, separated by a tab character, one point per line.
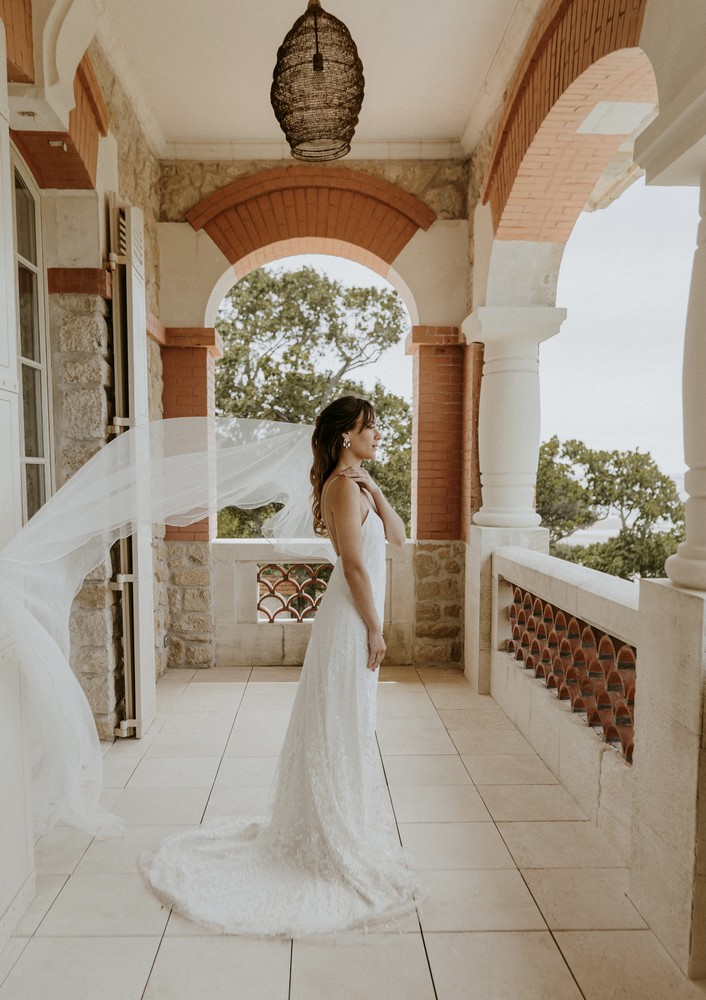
230	733
17	957
156	953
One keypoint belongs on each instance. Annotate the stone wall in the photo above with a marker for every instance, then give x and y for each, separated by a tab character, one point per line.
138	181
96	658
82	379
441	184
138	167
82	386
439	575
192	625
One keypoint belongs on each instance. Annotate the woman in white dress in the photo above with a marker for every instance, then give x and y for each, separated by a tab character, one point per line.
325	858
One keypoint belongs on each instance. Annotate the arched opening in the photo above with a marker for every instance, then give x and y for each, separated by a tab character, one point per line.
302	330
579	155
625	282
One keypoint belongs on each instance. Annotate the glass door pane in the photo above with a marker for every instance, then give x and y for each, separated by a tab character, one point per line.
28	313
25	221
35	488
32	412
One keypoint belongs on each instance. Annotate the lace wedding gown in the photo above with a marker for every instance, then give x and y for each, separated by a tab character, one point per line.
326	858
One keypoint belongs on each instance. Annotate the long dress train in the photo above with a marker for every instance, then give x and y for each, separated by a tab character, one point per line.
326	857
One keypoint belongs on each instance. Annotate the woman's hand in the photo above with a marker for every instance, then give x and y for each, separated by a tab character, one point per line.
363	478
376	649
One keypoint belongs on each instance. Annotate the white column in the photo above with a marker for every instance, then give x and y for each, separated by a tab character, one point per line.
508	424
688	567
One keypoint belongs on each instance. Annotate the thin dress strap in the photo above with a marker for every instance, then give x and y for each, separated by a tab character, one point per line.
366	496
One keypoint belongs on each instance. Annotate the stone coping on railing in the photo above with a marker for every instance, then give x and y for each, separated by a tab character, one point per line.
604	601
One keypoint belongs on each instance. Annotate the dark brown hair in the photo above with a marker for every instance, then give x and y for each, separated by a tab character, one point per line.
327	440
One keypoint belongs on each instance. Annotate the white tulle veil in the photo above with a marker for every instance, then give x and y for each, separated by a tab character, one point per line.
172	471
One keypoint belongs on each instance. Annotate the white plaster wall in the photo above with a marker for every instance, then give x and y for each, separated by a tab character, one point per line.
672	37
191	266
72	234
434	268
672	149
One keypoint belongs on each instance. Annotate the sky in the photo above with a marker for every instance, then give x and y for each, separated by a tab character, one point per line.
612	376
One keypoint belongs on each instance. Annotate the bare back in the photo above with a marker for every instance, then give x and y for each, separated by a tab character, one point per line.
366	505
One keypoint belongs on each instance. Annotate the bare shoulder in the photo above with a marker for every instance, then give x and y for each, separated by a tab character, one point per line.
339	491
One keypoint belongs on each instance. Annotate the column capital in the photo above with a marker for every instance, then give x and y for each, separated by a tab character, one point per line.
528	324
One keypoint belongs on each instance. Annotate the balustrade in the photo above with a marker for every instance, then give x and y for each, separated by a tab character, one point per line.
577	662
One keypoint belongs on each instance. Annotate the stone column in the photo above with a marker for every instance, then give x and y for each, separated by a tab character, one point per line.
188	365
687	568
508	442
508	428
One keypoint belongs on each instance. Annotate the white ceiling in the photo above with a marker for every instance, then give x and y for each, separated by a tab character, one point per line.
199	73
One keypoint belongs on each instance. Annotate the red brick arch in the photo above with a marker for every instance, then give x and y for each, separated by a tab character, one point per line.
580	52
562	165
307	209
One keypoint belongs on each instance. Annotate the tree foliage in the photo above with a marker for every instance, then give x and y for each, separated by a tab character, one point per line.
562	501
578	485
291	340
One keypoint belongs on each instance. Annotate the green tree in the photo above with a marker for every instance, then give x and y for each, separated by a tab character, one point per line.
290	339
563	503
587	485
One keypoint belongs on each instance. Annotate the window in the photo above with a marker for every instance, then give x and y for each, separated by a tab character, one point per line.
32	351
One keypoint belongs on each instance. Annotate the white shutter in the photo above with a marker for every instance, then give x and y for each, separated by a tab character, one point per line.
132	410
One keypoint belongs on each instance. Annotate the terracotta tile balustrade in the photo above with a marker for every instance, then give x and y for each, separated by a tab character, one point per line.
594	671
291	591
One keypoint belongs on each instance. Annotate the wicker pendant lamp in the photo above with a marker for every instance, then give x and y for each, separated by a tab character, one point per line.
317	86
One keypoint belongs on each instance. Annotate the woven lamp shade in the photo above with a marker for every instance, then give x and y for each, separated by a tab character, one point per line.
317	86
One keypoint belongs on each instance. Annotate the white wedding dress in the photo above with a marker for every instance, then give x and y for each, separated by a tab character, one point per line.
326	858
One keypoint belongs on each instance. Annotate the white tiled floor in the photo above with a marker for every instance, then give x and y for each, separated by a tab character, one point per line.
526	899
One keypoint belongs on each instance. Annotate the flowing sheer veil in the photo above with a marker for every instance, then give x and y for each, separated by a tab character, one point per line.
173	471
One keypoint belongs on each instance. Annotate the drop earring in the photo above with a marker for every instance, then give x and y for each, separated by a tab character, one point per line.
346	442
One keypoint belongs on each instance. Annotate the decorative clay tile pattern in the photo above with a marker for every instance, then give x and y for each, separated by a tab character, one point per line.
594	671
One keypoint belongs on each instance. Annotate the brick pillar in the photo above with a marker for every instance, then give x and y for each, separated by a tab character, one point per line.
189	357
437	480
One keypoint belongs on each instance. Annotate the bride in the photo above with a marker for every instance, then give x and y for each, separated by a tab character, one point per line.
325	858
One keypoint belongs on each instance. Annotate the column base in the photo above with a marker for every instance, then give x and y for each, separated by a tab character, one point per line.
499	518
685	570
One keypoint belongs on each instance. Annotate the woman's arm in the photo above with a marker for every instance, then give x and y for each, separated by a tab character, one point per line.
344	511
393	523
